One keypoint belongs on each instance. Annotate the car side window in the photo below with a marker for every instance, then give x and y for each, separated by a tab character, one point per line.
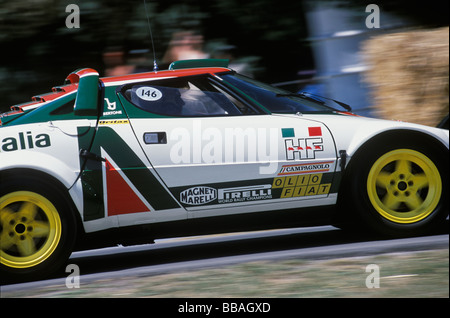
191	97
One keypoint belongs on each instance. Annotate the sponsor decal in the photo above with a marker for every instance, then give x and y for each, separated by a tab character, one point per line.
198	195
25	141
112	107
115	112
303	168
303	148
113	122
301	185
243	194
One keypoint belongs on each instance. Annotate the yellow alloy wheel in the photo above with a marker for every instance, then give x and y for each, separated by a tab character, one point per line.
404	186
30	229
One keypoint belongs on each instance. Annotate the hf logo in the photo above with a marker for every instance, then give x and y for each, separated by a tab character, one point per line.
304	148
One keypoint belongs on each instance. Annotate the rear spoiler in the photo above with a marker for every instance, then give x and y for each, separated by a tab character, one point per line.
84	80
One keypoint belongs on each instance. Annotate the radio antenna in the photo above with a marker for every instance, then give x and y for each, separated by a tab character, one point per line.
155	66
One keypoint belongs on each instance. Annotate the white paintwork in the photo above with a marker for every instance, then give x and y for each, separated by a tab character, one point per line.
61	158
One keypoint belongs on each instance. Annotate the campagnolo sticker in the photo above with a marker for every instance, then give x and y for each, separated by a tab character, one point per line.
198	195
148	93
303	168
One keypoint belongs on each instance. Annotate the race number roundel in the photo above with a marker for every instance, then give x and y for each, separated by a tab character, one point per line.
148	93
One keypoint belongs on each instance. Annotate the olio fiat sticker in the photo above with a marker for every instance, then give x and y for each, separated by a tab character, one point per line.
302	185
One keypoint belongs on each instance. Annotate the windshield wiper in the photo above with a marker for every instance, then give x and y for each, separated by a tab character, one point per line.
315	98
302	95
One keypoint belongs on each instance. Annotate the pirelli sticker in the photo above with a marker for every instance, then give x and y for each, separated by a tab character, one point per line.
244	194
301	185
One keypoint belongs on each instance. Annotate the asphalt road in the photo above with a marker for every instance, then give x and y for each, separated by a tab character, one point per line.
180	254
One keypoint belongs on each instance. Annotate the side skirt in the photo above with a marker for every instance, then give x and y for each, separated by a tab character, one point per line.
144	234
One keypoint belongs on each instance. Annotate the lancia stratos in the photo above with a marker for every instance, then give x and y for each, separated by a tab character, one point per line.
199	149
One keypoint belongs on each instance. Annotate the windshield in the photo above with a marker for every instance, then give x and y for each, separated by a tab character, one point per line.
274	99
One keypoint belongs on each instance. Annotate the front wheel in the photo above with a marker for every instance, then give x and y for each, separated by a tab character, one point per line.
401	189
37	230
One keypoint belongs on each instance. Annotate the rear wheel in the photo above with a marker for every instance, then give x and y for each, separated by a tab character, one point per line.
400	189
37	230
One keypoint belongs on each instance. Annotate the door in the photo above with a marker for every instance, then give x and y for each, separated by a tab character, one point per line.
215	151
120	187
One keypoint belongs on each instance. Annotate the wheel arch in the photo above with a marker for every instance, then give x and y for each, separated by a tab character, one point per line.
400	135
40	176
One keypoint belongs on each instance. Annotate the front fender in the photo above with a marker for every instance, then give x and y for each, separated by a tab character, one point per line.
350	133
41	162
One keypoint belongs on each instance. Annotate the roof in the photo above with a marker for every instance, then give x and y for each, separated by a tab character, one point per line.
176	69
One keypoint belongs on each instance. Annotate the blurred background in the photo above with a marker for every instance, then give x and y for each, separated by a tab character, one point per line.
395	71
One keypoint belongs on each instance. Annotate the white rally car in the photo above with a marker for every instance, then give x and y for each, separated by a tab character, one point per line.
199	149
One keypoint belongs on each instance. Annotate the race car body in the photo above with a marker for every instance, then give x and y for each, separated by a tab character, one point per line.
200	149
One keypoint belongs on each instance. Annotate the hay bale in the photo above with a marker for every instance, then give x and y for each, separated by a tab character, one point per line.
408	75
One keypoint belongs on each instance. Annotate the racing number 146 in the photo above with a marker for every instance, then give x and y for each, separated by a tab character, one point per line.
148	93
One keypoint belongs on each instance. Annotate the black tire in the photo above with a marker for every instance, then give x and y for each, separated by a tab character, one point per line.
37	228
398	187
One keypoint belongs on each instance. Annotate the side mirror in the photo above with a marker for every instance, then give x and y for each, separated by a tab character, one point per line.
86	102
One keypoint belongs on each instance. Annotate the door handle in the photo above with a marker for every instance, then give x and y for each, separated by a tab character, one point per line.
159	137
